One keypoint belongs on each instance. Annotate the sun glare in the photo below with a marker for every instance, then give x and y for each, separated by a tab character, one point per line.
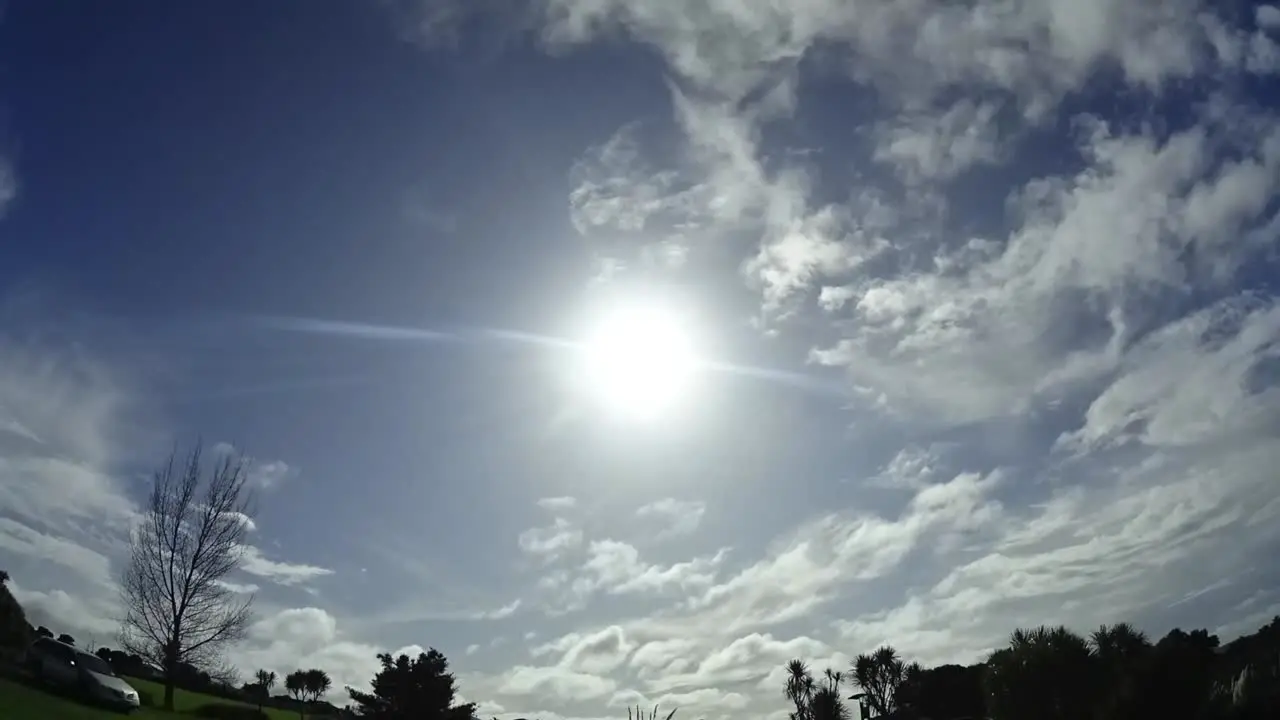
639	360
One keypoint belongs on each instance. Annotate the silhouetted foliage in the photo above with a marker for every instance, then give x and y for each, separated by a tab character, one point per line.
191	537
1045	673
1054	673
880	674
316	683
407	688
641	714
814	700
295	683
65	638
15	631
944	691
799	689
264	680
43	631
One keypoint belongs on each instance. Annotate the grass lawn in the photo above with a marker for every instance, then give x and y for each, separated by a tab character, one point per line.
185	701
19	702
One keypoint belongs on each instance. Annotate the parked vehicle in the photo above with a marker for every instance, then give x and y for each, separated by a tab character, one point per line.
69	668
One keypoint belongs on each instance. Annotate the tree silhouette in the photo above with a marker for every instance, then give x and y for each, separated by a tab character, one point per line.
1122	654
15	632
316	682
943	691
880	674
407	688
65	638
43	631
191	537
264	680
826	703
799	689
814	700
640	714
1046	673
1055	674
296	685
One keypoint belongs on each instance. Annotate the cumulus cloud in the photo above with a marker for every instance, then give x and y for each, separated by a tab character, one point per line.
287	639
552	541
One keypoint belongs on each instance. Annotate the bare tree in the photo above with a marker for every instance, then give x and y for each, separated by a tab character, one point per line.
177	611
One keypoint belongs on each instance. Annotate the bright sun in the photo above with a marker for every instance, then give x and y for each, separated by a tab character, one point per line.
639	360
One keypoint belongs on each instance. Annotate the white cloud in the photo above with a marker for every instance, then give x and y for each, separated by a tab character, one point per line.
254	562
269	474
287	639
240	588
554	683
78	614
616	567
1089	337
928	147
258	474
20	539
558	504
552	541
670	517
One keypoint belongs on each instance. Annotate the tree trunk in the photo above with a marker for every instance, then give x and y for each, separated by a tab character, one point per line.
170	670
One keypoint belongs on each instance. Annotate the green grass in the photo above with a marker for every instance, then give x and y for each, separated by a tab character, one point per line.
20	702
185	701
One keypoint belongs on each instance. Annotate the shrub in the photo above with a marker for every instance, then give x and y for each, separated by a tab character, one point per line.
219	711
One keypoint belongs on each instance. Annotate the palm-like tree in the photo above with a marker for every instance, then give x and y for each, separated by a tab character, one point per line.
814	701
826	702
880	675
1046	673
316	682
266	680
800	688
1123	656
296	683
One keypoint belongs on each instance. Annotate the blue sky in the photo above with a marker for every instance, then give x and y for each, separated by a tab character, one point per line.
984	295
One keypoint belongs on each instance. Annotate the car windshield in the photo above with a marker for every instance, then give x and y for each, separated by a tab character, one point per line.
94	664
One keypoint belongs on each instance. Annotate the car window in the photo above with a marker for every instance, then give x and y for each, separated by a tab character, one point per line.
93	664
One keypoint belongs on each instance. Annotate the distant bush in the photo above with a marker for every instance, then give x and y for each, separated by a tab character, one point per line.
218	711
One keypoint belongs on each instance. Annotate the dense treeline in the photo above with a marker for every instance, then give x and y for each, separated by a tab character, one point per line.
1116	673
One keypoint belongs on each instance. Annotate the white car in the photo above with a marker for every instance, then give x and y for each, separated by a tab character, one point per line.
75	670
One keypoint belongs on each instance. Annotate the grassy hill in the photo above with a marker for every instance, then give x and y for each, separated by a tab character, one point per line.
20	702
185	701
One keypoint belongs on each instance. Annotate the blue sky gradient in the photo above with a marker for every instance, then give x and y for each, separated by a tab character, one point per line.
991	289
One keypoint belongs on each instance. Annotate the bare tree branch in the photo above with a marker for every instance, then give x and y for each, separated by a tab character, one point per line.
192	536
